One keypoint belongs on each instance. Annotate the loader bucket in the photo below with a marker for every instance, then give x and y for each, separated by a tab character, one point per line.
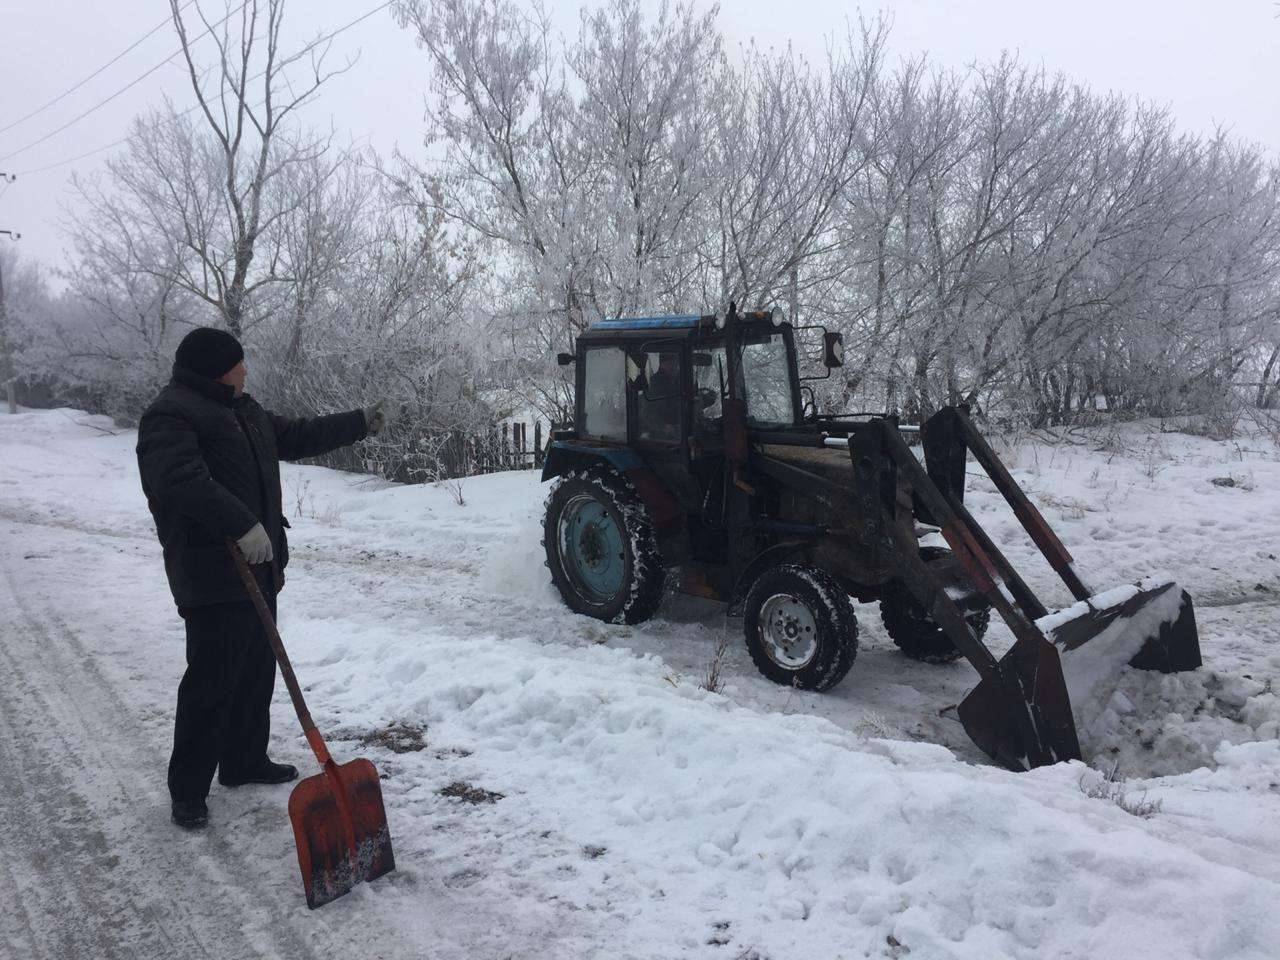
1021	715
1050	688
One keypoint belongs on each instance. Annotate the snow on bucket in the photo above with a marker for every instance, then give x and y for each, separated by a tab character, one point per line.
1149	625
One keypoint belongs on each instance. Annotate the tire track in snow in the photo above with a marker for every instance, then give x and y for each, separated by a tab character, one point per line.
30	517
73	896
92	863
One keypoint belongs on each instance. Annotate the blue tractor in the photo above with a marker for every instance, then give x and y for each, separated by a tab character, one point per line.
694	459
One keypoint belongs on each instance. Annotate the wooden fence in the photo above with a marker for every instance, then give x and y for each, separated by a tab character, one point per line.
504	446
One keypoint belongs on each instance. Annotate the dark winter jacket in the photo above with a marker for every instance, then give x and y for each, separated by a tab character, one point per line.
210	466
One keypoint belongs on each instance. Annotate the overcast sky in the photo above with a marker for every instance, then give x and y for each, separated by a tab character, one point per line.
1210	62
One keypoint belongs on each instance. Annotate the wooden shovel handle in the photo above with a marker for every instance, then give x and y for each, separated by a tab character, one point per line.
277	645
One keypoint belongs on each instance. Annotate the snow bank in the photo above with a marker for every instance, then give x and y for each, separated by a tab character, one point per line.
1156	724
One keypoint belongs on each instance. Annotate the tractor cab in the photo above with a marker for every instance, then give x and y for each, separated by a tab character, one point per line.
658	384
651	400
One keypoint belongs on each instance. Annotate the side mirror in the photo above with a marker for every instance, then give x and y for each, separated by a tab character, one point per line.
564	359
832	349
702	359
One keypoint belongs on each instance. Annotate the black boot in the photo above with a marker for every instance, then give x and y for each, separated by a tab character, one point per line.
266	772
190	814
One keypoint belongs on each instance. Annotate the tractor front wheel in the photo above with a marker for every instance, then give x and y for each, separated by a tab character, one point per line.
914	630
601	548
801	628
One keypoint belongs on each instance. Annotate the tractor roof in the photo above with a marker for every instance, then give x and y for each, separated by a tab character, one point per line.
680	322
675	325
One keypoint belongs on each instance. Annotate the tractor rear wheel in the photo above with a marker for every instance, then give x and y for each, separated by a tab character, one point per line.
601	547
800	627
916	633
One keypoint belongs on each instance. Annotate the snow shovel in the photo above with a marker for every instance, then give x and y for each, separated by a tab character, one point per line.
339	822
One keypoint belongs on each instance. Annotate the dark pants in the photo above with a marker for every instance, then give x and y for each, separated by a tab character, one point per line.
223	716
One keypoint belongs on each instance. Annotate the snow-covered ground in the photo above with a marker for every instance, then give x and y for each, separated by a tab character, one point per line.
624	811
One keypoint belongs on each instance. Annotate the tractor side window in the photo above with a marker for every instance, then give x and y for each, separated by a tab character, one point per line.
658	401
709	387
767	376
604	396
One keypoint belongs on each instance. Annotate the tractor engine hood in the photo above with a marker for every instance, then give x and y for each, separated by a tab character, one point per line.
830	463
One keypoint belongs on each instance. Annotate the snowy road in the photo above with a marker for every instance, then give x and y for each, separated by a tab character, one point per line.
91	868
623	811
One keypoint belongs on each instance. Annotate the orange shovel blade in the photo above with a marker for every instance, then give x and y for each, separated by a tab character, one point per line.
340	827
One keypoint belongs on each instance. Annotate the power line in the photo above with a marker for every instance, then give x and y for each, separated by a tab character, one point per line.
87	153
70	90
128	86
311	46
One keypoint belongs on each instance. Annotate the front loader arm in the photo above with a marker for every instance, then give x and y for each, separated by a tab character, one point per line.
1020	713
948	436
951	430
1060	669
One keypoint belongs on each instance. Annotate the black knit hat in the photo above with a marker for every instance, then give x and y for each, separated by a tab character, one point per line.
208	352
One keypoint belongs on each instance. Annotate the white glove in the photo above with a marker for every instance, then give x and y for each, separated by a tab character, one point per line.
256	545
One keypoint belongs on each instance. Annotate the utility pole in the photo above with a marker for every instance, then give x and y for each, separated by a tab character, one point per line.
7	373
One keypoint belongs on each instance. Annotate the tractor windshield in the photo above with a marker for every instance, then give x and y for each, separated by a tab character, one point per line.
766	376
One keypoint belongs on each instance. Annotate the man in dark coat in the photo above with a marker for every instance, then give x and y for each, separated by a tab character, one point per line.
209	457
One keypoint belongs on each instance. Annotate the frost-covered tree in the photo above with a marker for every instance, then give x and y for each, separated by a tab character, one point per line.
580	170
789	140
387	316
192	195
994	235
645	115
26	311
